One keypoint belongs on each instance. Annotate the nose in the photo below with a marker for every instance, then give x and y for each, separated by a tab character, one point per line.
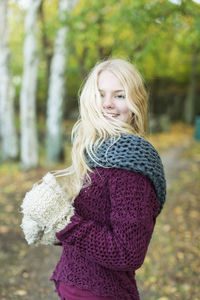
108	102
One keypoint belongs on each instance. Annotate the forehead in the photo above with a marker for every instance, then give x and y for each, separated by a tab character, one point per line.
108	81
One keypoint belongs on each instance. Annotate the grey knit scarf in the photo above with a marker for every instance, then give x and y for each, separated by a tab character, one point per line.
134	153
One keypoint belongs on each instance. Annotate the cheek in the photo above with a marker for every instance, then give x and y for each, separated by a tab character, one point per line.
125	113
123	108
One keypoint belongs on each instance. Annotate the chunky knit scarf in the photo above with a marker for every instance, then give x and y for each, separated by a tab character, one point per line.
132	153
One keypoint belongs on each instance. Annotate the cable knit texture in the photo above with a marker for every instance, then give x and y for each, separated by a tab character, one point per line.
109	234
134	153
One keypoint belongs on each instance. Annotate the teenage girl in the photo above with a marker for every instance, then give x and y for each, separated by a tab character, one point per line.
117	182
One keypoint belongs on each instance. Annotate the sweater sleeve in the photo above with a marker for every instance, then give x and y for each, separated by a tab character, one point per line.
123	245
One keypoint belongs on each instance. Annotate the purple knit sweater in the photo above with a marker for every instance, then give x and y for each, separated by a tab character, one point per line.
109	234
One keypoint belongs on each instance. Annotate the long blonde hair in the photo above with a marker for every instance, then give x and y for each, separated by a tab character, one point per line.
92	128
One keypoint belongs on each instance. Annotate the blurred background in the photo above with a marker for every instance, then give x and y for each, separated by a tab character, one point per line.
47	49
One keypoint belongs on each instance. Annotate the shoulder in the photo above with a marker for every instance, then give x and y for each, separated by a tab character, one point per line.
127	152
127	179
129	146
133	189
133	153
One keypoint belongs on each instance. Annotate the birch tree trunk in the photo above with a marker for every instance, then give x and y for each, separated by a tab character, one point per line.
57	86
8	132
29	142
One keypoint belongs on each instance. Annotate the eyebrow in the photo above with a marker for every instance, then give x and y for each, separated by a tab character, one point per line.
113	91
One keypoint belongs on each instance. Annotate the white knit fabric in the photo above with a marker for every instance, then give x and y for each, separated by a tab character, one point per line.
46	211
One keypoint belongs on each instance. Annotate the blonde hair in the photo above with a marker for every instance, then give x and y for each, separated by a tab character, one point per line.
92	128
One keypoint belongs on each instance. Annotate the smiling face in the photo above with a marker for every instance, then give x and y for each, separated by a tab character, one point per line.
113	97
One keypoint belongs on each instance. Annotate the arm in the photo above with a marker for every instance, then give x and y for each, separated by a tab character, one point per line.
123	245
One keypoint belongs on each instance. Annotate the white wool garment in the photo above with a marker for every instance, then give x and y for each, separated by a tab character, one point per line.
46	211
32	231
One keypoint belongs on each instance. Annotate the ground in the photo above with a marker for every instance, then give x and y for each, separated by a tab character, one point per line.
25	270
171	268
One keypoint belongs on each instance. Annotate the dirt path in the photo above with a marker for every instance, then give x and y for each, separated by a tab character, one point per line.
173	164
40	263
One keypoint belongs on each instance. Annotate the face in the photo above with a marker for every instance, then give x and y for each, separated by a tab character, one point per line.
113	97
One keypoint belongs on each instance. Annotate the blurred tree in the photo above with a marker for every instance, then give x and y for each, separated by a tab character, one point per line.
191	35
8	132
57	86
29	142
189	112
46	42
168	39
49	22
158	36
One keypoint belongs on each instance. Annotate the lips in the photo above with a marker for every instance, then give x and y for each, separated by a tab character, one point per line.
113	115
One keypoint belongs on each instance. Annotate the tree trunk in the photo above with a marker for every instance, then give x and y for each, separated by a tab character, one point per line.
189	111
29	141
8	132
47	45
57	86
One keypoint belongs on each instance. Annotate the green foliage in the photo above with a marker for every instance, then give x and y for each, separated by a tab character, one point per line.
158	36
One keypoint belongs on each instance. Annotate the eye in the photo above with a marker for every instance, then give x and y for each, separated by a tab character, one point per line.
120	96
101	95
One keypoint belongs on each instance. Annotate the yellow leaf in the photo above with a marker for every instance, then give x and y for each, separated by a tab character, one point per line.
20	293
